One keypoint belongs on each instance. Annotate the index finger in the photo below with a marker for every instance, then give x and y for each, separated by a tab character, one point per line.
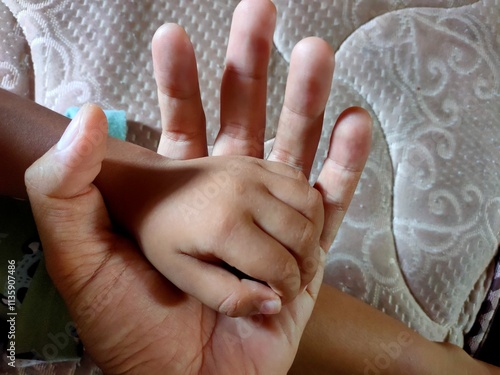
183	120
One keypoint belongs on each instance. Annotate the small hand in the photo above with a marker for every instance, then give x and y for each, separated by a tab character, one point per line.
195	218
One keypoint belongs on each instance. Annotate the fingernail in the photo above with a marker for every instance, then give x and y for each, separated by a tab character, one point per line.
72	130
270	307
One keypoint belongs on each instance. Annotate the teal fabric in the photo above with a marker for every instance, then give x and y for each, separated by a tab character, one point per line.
117	121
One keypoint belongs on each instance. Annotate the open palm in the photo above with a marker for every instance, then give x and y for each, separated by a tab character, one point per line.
130	318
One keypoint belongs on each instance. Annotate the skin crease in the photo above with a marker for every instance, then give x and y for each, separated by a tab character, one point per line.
99	281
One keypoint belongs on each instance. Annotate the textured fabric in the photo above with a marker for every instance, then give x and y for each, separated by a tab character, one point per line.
421	235
16	72
423	228
476	337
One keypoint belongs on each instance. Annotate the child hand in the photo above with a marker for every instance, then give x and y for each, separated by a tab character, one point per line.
194	218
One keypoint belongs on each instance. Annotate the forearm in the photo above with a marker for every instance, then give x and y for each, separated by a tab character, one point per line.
347	336
28	130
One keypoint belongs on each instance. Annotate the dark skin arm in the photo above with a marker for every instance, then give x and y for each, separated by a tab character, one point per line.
22	142
346	336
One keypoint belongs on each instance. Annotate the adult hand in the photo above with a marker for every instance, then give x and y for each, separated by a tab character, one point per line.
133	320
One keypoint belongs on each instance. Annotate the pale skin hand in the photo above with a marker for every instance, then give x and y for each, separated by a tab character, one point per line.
350	323
343	333
127	313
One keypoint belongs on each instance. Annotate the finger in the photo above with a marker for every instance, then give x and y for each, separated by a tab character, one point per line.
282	169
279	270
244	82
337	181
182	117
69	168
67	207
298	194
299	235
224	292
307	90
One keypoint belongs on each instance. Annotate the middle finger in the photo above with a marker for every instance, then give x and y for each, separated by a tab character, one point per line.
244	82
307	90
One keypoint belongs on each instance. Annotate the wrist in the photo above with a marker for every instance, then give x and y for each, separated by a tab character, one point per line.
130	179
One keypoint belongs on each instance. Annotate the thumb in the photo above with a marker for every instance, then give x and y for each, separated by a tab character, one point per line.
69	168
67	207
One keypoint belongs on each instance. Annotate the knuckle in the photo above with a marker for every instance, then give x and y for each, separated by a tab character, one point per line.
295	163
317	209
226	224
229	228
307	235
239	187
289	280
175	134
315	197
299	175
310	265
335	204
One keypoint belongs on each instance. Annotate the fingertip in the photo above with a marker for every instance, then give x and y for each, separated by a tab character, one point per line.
250	38
250	298
310	77
351	138
257	9
167	30
95	118
317	56
315	46
289	287
270	307
68	169
174	61
358	114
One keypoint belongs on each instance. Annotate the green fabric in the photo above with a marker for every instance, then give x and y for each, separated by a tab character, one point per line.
17	227
44	329
43	324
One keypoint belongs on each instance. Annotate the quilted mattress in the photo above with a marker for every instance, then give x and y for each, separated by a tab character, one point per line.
420	239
